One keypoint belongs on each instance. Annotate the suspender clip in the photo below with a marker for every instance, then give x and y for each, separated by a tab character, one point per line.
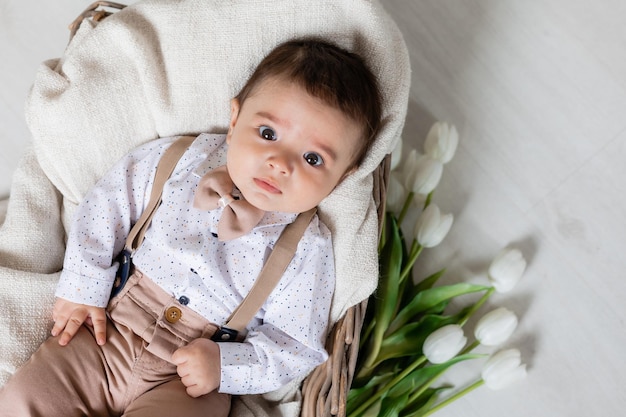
224	334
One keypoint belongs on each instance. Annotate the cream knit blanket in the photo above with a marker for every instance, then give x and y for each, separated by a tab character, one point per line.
161	68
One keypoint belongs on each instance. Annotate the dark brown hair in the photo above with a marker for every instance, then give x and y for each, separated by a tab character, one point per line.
339	78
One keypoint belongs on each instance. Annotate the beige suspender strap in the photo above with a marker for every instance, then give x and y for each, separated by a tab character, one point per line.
164	169
272	271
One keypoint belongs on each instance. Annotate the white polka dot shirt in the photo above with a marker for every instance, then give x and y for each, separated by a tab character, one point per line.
182	254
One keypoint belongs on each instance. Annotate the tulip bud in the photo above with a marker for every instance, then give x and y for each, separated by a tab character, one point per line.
421	173
395	193
495	327
432	226
503	368
444	343
409	163
506	269
441	142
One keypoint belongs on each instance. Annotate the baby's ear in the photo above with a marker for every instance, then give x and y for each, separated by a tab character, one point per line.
234	113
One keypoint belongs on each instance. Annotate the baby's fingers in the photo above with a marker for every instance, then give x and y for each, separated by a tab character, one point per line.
73	323
99	322
69	317
61	314
59	325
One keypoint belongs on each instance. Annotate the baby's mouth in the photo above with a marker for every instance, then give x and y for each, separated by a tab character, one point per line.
267	185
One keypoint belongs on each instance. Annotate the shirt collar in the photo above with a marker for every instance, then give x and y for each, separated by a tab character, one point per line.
276	218
212	148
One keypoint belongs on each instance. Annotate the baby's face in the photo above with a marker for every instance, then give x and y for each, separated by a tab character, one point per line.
288	150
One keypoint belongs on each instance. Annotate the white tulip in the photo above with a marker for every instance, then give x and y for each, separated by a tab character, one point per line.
432	226
421	173
396	193
441	142
408	167
495	327
503	368
396	155
444	343
506	269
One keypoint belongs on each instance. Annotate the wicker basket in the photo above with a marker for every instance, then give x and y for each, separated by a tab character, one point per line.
325	390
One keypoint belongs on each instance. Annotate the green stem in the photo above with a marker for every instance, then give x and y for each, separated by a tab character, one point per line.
428	383
476	306
409	200
377	341
424	387
429	198
454	397
419	361
471	347
383	234
416	249
405	207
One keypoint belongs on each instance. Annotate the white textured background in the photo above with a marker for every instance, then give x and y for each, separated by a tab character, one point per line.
537	90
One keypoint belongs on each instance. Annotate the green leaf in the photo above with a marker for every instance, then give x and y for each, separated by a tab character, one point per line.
387	296
430	298
422	404
439	308
408	340
411	289
391	407
426	283
357	396
372	411
426	375
402	283
433	296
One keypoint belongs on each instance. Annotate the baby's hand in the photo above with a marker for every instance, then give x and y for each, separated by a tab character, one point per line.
198	365
69	316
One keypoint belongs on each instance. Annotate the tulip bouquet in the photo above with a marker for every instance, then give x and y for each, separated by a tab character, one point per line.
409	339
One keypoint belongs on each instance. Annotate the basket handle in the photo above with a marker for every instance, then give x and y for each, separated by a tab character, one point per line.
92	12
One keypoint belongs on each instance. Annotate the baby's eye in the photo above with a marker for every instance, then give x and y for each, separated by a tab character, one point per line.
267	133
313	159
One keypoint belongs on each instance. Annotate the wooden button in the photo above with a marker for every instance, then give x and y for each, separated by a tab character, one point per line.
173	314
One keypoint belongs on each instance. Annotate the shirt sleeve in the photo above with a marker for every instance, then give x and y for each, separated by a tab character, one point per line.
289	343
102	222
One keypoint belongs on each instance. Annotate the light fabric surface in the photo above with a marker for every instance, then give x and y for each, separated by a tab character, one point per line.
162	68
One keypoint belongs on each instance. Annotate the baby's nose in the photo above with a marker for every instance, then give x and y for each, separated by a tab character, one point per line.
281	162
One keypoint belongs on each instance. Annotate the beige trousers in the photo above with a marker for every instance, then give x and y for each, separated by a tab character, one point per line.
131	375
